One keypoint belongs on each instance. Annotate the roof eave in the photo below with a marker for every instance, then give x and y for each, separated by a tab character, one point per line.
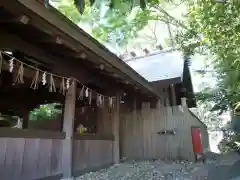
73	31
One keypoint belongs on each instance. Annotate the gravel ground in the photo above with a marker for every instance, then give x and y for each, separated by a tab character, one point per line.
145	170
216	168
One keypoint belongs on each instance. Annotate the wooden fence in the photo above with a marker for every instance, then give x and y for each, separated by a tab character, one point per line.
91	153
140	138
35	155
30	155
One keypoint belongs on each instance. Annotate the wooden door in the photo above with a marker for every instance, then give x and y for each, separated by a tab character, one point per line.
197	143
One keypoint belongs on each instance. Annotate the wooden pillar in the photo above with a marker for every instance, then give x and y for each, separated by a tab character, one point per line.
184	108
184	104
25	119
62	115
116	153
68	123
174	98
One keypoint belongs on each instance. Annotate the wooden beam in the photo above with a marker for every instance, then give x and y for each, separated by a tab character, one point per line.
68	123
19	19
62	41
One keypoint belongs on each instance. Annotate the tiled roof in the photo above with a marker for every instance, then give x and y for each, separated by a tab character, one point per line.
158	66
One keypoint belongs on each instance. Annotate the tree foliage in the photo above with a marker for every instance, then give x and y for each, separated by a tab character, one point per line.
214	28
211	118
45	112
121	24
115	4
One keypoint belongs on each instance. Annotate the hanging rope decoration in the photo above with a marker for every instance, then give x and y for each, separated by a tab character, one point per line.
35	81
80	97
68	83
52	87
90	98
63	87
86	92
100	98
11	64
103	102
110	101
97	100
19	78
44	78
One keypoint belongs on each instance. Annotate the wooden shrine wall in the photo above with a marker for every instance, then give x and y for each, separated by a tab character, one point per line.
93	151
30	155
139	137
91	154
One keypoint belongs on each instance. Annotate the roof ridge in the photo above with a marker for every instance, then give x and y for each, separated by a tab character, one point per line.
151	54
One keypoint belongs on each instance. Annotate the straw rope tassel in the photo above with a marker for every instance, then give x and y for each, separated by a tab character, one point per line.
97	100
1	61
103	99
110	101
86	92
81	93
19	78
90	97
68	83
11	64
44	78
52	87
62	87
35	81
100	100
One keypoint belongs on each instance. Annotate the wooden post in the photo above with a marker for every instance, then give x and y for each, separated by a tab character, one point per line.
25	119
68	123
62	115
184	104
116	153
174	99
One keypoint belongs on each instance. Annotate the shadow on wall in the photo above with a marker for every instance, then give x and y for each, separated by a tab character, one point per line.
51	125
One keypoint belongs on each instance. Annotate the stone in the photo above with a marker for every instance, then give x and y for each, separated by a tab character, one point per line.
217	167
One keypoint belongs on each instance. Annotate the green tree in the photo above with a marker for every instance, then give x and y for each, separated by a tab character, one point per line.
45	112
211	118
213	28
116	4
121	24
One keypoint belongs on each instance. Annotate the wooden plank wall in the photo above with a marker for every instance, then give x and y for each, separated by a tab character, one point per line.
105	120
29	158
139	136
94	151
91	154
